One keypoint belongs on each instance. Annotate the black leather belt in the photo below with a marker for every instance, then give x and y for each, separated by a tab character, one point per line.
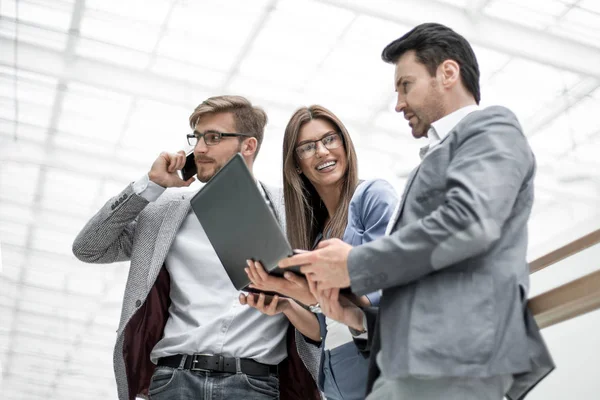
217	363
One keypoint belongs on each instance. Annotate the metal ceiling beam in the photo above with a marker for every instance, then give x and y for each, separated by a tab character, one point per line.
260	23
570	98
33	152
126	80
475	7
482	30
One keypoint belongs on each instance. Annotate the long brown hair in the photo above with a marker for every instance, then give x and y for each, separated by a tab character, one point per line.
304	210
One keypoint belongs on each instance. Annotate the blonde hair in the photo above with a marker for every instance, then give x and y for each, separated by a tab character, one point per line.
305	212
248	118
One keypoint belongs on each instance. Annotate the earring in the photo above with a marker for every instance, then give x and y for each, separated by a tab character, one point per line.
298	170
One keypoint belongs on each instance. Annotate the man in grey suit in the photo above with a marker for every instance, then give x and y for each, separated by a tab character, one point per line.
183	333
453	320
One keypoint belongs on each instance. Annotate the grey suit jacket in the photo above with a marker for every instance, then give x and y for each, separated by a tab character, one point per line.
453	269
128	227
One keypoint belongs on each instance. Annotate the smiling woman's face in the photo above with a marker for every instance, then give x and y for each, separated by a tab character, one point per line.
327	166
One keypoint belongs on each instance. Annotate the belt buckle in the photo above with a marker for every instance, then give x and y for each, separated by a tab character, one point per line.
219	367
195	361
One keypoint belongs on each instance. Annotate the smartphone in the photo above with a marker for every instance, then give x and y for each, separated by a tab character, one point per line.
189	169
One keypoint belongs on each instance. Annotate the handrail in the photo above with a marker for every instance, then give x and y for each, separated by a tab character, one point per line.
571	299
565	251
567	301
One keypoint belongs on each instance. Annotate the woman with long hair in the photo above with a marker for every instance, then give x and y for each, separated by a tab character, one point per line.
325	199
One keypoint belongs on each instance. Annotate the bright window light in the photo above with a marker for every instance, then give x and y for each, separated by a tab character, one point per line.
106	130
186	71
590	5
515	13
209	54
112	54
55	15
583	18
44	37
152	12
109	28
373	33
224	22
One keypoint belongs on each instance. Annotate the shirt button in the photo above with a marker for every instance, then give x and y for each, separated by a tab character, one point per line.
138	303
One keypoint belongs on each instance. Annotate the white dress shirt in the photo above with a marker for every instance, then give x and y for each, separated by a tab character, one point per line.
442	127
205	315
436	133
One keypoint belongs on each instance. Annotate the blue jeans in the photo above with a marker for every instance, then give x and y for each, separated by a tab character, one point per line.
180	384
345	372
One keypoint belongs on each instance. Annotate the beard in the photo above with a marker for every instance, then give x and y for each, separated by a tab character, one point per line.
211	166
431	111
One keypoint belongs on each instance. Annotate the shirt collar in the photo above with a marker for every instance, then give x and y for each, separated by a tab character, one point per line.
442	127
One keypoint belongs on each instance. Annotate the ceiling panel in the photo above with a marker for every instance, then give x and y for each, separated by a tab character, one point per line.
188	72
537	14
589	5
11	131
55	15
228	21
214	54
112	53
152	13
113	29
28	33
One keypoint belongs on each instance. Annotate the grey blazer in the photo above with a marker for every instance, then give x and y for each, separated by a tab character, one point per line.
128	227
453	269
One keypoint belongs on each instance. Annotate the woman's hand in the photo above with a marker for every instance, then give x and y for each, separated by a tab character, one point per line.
291	285
269	305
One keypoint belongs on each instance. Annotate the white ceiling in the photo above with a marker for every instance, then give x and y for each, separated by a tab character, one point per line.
91	91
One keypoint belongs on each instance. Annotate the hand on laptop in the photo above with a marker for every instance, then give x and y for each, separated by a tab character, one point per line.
164	170
291	285
327	265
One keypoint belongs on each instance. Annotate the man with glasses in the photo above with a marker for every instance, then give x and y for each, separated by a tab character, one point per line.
183	333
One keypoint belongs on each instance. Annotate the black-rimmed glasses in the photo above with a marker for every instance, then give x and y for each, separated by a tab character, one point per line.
309	149
211	138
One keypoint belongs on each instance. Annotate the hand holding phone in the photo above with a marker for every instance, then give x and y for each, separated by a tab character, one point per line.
164	170
189	169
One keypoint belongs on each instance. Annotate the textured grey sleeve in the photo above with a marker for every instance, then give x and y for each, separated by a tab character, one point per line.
309	354
108	236
490	162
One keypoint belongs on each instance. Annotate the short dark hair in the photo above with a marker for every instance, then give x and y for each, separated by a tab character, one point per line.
433	44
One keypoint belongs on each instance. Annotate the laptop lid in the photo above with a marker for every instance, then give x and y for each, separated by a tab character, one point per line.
239	223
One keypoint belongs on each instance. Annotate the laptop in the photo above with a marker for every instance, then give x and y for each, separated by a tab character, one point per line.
239	223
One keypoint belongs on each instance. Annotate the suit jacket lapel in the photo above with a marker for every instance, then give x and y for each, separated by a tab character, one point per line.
423	153
276	204
400	206
173	215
